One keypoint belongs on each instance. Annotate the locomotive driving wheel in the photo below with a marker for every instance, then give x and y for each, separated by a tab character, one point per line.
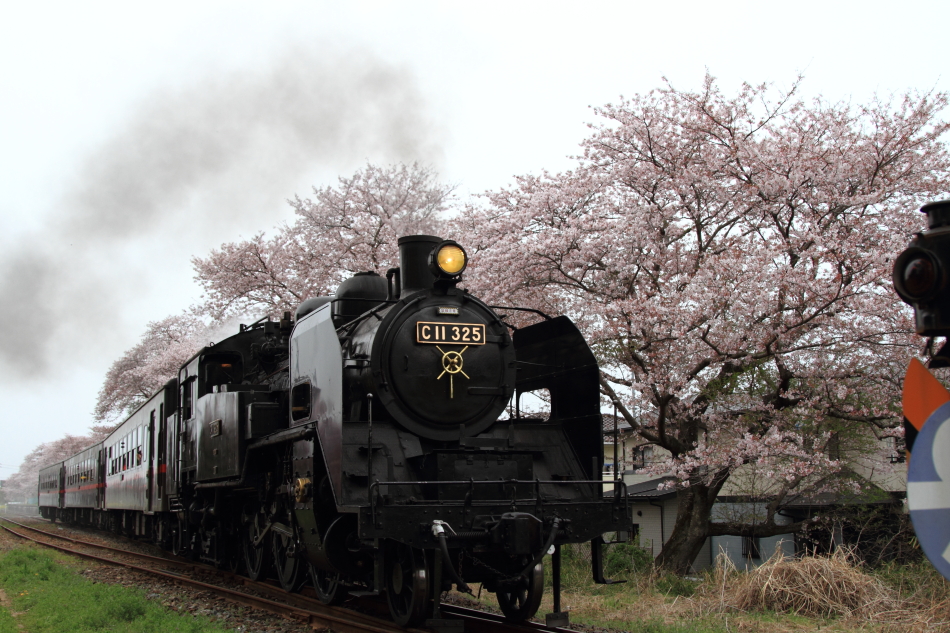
407	584
257	558
182	544
328	585
521	601
291	569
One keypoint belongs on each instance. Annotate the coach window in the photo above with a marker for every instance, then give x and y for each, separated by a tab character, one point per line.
300	402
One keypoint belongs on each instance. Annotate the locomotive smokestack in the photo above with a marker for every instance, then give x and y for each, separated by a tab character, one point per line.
414	262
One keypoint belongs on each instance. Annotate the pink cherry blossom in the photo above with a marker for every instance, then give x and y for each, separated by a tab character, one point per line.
728	258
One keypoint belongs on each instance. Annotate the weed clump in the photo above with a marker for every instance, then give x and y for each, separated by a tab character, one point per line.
814	586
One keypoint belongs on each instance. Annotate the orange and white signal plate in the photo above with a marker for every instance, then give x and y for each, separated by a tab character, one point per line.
927	412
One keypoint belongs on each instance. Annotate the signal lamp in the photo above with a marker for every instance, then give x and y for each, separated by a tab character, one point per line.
921	272
448	260
916	275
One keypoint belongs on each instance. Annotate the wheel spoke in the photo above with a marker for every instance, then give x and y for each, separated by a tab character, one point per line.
256	559
328	585
290	570
407	584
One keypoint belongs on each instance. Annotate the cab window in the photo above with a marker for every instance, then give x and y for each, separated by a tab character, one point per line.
300	401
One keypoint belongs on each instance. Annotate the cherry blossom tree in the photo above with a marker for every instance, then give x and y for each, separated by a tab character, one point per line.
350	228
147	366
22	485
728	257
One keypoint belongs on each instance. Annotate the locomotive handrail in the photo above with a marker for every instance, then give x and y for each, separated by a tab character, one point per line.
549	318
381	303
624	497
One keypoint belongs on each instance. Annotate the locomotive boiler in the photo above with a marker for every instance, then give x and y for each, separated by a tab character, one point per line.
375	443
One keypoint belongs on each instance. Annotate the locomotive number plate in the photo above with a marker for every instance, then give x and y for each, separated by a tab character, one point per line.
450	333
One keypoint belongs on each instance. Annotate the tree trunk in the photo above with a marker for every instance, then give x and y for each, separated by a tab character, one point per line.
694	508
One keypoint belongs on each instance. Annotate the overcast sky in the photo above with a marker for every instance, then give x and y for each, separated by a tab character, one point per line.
132	138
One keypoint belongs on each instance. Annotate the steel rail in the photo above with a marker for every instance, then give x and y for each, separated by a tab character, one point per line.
314	615
486	621
158	559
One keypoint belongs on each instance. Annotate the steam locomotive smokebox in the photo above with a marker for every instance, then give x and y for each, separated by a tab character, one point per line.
414	270
356	295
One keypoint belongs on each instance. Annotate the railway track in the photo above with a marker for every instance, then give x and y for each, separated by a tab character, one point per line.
296	607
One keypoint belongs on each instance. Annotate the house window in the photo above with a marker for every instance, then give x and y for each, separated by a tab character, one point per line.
751	547
642	456
899	454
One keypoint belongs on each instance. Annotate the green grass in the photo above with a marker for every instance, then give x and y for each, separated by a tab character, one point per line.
50	597
7	623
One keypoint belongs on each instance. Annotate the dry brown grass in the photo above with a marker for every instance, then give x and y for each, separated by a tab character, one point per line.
832	586
831	593
814	586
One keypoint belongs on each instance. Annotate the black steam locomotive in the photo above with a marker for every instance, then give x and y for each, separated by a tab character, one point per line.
370	445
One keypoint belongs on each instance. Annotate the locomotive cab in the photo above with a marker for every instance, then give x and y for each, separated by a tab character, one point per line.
224	404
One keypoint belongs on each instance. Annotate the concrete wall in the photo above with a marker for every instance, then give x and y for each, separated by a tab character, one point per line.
731	548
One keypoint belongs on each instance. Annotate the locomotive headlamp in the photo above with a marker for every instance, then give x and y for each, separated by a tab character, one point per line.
448	260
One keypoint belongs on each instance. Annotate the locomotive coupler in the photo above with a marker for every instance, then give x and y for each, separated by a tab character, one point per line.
520	533
547	549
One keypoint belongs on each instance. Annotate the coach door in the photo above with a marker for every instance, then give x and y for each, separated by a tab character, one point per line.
101	477
160	460
150	460
62	487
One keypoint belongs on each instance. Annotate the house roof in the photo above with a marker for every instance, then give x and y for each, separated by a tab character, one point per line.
622	425
649	489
